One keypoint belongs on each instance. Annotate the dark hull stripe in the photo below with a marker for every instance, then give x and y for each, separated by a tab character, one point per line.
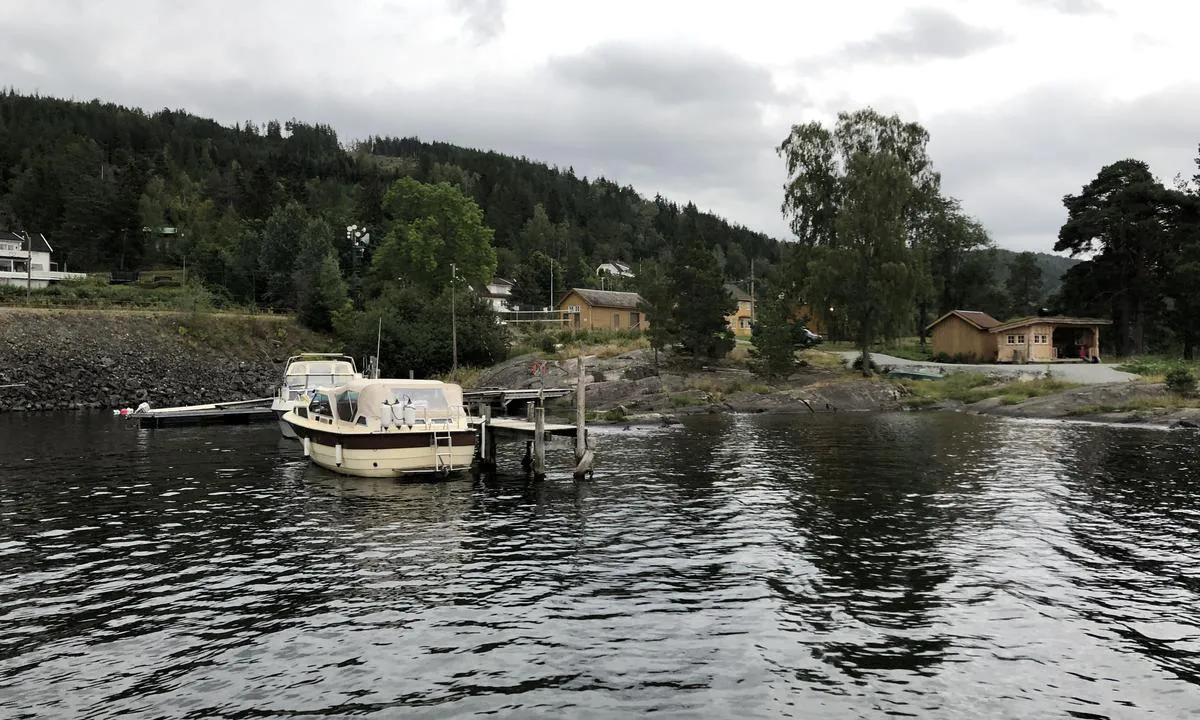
381	441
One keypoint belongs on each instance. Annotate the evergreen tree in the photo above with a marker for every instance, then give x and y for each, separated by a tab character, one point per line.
321	293
1024	284
701	302
773	354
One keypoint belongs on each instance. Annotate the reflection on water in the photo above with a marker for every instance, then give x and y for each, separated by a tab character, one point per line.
934	566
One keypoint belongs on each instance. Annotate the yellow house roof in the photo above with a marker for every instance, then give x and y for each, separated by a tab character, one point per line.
609	298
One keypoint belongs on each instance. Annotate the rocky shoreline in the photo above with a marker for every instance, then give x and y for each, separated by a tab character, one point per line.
626	390
78	359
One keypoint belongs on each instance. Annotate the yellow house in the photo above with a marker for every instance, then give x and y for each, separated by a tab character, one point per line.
977	336
739	321
588	309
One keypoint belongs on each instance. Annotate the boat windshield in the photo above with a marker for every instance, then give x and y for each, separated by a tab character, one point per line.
318	374
347	405
319	405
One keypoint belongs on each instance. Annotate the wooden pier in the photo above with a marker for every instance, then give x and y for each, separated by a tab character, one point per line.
503	399
533	429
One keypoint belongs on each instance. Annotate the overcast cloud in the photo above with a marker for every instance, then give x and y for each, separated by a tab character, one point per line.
1025	100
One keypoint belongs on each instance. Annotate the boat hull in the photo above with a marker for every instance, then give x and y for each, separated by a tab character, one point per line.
388	454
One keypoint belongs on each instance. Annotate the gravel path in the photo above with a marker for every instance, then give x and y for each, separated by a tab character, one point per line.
1083	373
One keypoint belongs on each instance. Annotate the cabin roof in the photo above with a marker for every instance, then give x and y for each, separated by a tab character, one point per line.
976	318
610	298
1049	320
739	294
38	240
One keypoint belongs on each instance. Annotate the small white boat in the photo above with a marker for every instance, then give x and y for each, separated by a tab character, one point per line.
379	427
305	373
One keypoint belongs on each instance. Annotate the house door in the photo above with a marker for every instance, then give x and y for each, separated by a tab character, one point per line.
616	321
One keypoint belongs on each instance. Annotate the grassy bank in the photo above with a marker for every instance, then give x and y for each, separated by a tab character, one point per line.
234	335
971	388
908	348
97	294
1156	367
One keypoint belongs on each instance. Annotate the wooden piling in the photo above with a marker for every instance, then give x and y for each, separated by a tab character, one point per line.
580	413
487	443
539	443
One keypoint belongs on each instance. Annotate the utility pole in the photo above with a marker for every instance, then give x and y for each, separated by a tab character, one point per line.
752	299
551	305
453	317
28	265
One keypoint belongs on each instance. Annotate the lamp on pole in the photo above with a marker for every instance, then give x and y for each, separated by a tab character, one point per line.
453	318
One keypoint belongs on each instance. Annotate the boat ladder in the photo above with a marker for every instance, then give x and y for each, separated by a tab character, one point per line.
443	450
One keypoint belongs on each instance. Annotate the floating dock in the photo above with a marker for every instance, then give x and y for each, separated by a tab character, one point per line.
240	412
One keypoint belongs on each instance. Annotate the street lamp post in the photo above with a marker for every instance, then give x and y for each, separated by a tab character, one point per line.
453	318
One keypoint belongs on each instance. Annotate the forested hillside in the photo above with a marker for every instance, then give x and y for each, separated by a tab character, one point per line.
99	180
1052	267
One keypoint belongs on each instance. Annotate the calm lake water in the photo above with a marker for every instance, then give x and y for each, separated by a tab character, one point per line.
834	566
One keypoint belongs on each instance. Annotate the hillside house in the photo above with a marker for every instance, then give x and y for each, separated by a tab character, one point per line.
979	337
25	261
498	295
615	268
740	320
588	309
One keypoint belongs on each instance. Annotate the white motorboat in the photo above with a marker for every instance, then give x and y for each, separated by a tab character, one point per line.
386	427
307	372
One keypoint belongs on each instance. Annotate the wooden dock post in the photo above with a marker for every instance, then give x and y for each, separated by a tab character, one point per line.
580	413
584	457
487	442
539	443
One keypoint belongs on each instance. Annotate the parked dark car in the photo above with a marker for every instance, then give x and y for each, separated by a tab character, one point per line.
802	337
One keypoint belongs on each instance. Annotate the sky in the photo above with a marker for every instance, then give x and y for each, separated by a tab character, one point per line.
1025	100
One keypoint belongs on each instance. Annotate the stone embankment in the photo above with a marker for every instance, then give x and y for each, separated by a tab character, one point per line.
81	359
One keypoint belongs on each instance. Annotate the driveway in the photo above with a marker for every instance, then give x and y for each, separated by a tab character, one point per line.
1083	373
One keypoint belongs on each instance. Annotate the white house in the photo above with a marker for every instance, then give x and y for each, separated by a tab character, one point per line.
25	261
614	267
498	294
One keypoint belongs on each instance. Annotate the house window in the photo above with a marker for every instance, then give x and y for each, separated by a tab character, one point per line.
744	323
572	308
1012	339
616	321
635	319
1020	339
1041	340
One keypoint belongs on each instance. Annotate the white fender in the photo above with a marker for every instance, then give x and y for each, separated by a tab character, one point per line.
385	416
307	447
410	415
337	454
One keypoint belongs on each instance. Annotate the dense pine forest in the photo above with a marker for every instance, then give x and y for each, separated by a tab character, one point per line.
101	180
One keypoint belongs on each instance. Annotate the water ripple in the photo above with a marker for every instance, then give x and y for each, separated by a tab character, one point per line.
932	566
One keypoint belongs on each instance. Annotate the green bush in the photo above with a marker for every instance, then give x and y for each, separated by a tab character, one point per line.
547	344
1181	381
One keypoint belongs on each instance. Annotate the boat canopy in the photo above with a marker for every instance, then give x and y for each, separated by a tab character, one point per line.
365	398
